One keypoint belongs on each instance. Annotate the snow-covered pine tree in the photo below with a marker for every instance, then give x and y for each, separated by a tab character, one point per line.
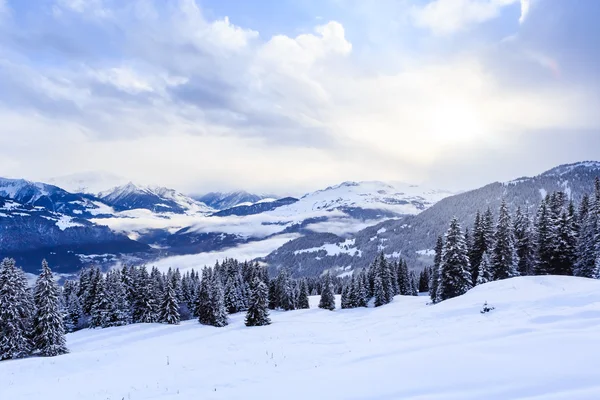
15	312
345	298
564	254
414	287
503	255
303	295
485	274
585	265
101	308
543	239
327	301
217	297
284	290
232	295
424	277
524	243
403	281
204	299
435	270
455	270
73	316
146	305
169	308
48	329
120	309
360	290
395	271
258	310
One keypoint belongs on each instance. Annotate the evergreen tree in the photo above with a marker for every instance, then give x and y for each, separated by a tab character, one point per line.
585	265
73	319
48	330
564	255
424	277
345	298
414	284
15	312
303	296
146	304
258	310
435	271
503	256
217	297
119	313
101	308
524	243
455	276
327	301
485	274
204	301
360	290
403	279
543	240
169	308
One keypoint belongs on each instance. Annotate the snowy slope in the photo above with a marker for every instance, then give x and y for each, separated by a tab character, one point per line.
156	199
539	343
399	198
223	201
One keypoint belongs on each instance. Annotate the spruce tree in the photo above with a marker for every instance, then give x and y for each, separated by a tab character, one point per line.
48	329
120	310
543	240
169	308
403	279
435	270
503	255
217	297
327	301
204	300
585	265
455	276
101	307
73	318
303	302
15	312
485	274
258	310
524	243
360	290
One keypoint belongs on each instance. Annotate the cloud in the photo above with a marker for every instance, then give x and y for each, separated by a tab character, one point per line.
162	94
525	6
451	16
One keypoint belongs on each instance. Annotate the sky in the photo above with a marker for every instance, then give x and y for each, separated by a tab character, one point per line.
283	96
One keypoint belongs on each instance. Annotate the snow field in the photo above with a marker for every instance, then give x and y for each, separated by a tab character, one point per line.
540	342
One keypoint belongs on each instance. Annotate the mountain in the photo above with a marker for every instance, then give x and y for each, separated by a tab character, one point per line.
51	198
155	199
256	208
413	236
30	233
223	201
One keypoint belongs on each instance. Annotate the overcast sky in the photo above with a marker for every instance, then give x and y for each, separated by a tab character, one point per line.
288	96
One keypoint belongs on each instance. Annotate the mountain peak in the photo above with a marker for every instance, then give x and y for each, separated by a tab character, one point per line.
567	168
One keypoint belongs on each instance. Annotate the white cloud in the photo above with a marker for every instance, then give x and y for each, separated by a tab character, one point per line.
450	16
525	6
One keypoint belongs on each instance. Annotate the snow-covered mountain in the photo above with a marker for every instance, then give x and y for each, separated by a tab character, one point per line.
411	236
155	199
223	201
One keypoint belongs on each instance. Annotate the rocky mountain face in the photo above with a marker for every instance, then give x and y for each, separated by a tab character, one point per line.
223	201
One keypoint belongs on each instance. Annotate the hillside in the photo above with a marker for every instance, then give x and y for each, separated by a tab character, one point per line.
411	236
539	342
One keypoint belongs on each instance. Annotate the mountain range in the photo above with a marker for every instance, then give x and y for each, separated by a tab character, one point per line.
337	228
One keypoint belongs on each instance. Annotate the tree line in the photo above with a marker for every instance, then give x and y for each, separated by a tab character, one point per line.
560	239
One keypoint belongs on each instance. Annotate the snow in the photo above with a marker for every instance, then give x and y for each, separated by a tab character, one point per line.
428	252
540	342
381	230
543	193
91	182
65	222
332	249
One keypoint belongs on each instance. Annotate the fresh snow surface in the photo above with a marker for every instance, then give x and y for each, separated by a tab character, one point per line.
91	182
540	342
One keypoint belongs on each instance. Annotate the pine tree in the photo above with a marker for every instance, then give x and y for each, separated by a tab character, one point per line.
485	274
119	313
585	265
258	310
424	277
403	279
204	300
543	239
435	271
101	308
524	243
303	302
146	304
455	276
169	308
503	256
327	301
73	319
360	290
564	255
48	330
15	312
345	298
217	297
